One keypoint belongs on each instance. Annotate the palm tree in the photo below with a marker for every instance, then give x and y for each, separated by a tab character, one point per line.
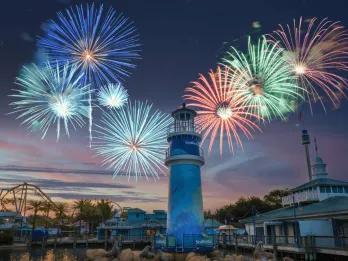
104	209
35	207
85	210
60	213
78	206
46	208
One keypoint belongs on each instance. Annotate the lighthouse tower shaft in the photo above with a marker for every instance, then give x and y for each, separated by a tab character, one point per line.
184	159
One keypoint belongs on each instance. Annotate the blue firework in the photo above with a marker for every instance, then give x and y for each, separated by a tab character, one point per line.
112	96
132	140
51	95
101	43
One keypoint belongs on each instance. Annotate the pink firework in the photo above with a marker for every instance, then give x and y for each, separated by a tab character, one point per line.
318	52
221	110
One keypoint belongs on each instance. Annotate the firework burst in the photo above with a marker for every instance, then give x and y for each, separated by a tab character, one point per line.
51	95
317	51
112	96
101	44
264	79
221	110
132	140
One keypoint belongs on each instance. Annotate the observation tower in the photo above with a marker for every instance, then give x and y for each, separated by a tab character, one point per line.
184	160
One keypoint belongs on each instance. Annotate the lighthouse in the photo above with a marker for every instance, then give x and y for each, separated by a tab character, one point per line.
184	160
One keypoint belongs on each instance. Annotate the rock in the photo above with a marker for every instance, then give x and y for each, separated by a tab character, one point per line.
103	258
92	254
235	258
263	255
190	255
126	255
115	251
216	254
196	257
146	253
239	258
286	258
136	256
161	256
228	258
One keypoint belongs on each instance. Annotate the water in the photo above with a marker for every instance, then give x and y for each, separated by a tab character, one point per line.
38	254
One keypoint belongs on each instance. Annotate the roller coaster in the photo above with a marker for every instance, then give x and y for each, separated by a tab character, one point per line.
18	197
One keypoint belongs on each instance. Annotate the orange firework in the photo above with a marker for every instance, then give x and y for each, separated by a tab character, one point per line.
221	110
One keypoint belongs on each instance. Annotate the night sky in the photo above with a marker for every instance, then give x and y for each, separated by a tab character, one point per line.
180	39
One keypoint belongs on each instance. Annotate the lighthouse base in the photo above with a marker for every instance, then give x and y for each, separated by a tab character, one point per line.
189	243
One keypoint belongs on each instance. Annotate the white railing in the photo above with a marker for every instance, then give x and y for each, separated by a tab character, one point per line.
184	127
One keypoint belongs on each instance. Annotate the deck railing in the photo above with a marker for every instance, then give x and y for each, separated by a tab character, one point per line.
315	242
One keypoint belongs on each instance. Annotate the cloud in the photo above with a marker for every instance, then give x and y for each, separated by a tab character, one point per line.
257	175
58	184
54	170
139	198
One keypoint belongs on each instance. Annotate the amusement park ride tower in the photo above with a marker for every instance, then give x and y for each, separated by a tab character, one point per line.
184	159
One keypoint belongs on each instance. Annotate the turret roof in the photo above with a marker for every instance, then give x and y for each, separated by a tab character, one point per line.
320	181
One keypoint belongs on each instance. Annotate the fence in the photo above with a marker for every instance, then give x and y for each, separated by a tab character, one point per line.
314	242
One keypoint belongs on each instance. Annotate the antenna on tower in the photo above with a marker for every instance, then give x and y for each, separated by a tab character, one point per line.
306	141
316	146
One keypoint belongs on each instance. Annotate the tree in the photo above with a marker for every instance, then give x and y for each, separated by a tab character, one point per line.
274	198
35	207
60	213
104	209
244	207
85	211
46	208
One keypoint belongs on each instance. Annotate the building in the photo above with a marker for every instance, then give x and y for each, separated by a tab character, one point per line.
11	220
317	209
136	224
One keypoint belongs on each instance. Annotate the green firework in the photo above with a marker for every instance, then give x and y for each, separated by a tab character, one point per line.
264	79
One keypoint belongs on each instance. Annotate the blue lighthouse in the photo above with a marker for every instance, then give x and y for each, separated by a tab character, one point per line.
184	160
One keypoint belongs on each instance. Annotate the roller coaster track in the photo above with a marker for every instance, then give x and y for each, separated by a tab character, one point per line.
18	196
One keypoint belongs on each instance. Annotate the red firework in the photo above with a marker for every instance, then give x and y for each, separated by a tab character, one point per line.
318	52
221	111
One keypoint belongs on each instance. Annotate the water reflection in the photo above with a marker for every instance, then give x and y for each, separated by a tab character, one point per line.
38	254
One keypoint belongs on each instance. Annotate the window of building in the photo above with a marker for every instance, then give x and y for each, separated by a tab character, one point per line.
340	189
325	189
334	189
346	189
